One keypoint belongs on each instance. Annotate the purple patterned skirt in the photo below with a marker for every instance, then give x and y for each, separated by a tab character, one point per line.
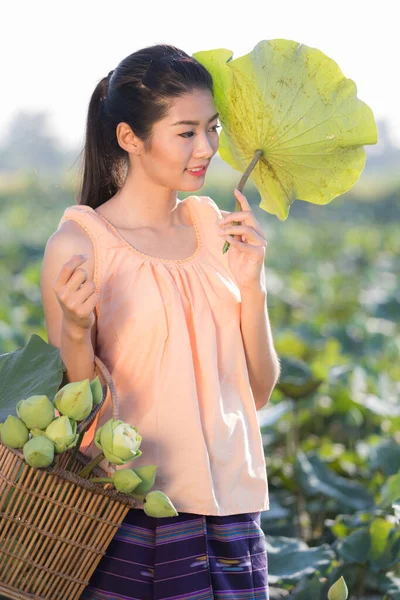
188	557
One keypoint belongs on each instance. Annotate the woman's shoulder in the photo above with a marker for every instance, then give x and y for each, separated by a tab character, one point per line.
207	205
68	239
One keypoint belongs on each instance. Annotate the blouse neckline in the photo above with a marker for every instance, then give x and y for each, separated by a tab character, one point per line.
158	258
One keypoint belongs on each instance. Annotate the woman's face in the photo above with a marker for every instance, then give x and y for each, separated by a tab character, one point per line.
177	147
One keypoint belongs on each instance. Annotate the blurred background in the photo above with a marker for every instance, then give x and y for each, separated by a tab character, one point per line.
331	430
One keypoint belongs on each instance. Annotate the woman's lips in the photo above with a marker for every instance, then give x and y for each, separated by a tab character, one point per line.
197	173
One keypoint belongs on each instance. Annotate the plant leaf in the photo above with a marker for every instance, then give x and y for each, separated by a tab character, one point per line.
379	530
315	477
389	583
292	102
290	559
391	490
36	368
296	380
307	588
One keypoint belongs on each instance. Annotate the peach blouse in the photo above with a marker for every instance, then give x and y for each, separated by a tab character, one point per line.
169	334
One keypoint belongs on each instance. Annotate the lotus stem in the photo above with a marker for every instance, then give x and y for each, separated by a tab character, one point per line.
242	182
75	451
101	480
139	497
90	466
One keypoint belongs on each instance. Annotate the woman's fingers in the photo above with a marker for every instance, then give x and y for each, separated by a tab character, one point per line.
250	234
243	217
68	269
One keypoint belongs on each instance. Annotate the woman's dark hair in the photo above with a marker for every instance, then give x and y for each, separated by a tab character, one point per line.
138	92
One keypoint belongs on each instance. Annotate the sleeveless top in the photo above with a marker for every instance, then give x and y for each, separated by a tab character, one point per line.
168	331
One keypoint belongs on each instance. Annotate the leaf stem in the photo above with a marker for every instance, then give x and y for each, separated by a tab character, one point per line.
242	182
75	451
101	480
90	466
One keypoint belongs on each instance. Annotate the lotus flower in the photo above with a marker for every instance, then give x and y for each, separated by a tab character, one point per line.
147	474
39	452
14	432
62	432
97	391
75	400
125	480
118	441
36	411
157	504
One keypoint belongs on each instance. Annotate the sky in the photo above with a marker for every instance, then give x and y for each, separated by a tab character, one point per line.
54	53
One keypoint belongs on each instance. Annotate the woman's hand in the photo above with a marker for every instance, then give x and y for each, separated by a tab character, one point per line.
76	293
247	252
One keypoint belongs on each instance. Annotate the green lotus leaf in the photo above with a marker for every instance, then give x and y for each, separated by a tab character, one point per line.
294	104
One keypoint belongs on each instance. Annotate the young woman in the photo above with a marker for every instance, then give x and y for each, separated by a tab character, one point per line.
138	277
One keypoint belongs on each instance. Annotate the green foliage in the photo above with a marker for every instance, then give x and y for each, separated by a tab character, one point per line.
34	369
330	431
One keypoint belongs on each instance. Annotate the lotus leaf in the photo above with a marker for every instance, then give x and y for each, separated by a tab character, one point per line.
292	103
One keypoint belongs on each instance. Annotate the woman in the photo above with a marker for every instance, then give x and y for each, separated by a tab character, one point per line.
138	277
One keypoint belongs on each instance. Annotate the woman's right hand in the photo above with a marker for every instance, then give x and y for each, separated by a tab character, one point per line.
76	293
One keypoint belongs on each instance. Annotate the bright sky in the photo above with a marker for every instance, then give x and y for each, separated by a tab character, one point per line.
54	53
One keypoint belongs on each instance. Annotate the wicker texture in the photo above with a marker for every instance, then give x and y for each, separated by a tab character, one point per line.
54	525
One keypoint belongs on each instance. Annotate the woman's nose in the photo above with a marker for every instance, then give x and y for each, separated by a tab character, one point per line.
205	149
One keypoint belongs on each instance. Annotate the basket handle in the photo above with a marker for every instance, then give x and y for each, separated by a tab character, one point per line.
106	381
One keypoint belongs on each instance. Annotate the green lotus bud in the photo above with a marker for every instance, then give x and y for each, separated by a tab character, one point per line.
147	474
62	432
36	412
338	591
157	504
75	400
118	441
39	452
97	391
14	432
125	480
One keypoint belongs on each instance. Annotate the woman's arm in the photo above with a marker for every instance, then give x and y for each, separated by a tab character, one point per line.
262	360
76	344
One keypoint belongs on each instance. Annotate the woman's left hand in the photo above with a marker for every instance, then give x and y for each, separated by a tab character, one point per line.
247	252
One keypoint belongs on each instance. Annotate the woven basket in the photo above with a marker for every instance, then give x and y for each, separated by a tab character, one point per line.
54	525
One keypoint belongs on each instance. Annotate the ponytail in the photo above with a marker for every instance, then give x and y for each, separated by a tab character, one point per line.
102	170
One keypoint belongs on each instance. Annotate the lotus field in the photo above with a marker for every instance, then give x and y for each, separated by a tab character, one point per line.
331	430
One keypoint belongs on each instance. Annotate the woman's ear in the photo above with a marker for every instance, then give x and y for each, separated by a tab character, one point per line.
128	140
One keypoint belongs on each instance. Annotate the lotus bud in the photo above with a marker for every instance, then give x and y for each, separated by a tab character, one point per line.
118	441
62	432
36	412
157	504
14	432
39	452
147	474
338	591
75	400
125	480
97	391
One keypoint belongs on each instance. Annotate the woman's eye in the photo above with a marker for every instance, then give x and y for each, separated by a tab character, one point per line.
190	133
